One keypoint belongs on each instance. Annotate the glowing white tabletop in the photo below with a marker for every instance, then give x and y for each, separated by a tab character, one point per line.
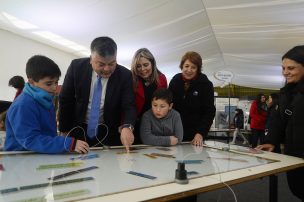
110	180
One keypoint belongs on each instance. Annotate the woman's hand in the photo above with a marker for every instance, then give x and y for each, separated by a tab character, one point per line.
266	147
197	140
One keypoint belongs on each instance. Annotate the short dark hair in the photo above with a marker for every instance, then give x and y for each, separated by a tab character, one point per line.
16	82
164	94
104	46
275	98
239	111
39	67
295	54
193	57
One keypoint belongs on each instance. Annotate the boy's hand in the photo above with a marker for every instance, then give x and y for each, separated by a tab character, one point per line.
82	147
173	140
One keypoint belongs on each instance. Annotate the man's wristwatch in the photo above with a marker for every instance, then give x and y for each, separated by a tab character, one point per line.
130	126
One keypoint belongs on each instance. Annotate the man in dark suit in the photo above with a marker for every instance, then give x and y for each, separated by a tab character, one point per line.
117	112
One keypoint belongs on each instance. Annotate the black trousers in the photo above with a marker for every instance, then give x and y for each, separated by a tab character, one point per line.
256	136
295	180
136	132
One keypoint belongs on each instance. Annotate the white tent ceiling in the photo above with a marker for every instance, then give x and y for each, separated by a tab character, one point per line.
246	37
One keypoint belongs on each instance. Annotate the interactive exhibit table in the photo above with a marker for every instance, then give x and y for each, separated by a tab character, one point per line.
146	173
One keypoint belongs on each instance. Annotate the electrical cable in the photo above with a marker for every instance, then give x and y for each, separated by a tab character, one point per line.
84	135
219	174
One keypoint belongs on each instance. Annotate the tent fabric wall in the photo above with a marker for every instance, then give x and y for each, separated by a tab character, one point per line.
246	37
14	53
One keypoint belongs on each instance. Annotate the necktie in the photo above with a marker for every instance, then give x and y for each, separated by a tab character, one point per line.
94	113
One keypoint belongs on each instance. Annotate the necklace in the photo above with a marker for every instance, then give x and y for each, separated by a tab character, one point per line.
146	83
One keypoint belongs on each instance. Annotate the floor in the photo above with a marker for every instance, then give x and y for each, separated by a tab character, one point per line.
251	191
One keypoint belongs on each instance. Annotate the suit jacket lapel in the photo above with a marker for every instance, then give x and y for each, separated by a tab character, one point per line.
111	86
87	79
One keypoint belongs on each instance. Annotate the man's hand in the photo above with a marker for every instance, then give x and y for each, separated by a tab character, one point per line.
266	147
82	147
197	140
127	138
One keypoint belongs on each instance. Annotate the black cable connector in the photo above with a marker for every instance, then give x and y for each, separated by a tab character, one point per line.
181	174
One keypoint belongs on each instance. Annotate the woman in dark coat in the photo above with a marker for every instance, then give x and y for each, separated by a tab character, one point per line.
272	105
193	98
287	126
238	122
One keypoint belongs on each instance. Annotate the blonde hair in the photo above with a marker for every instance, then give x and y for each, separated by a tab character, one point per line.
145	53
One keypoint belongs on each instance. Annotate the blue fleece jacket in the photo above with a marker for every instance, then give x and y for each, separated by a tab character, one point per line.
31	125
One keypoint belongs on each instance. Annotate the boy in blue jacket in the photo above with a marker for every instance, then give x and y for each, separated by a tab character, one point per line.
31	119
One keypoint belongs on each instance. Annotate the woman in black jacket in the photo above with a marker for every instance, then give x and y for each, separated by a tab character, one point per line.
287	125
193	98
238	122
272	106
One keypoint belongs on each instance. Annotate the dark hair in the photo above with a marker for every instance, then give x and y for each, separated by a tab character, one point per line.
39	67
261	106
296	54
2	118
104	46
193	57
164	94
275	99
239	111
16	82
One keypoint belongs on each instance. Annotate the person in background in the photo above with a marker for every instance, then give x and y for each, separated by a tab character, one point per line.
258	115
272	104
31	122
287	124
161	125
97	95
18	83
2	129
146	79
193	98
2	120
238	121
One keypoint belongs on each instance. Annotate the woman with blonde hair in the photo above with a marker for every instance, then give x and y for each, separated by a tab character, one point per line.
146	79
